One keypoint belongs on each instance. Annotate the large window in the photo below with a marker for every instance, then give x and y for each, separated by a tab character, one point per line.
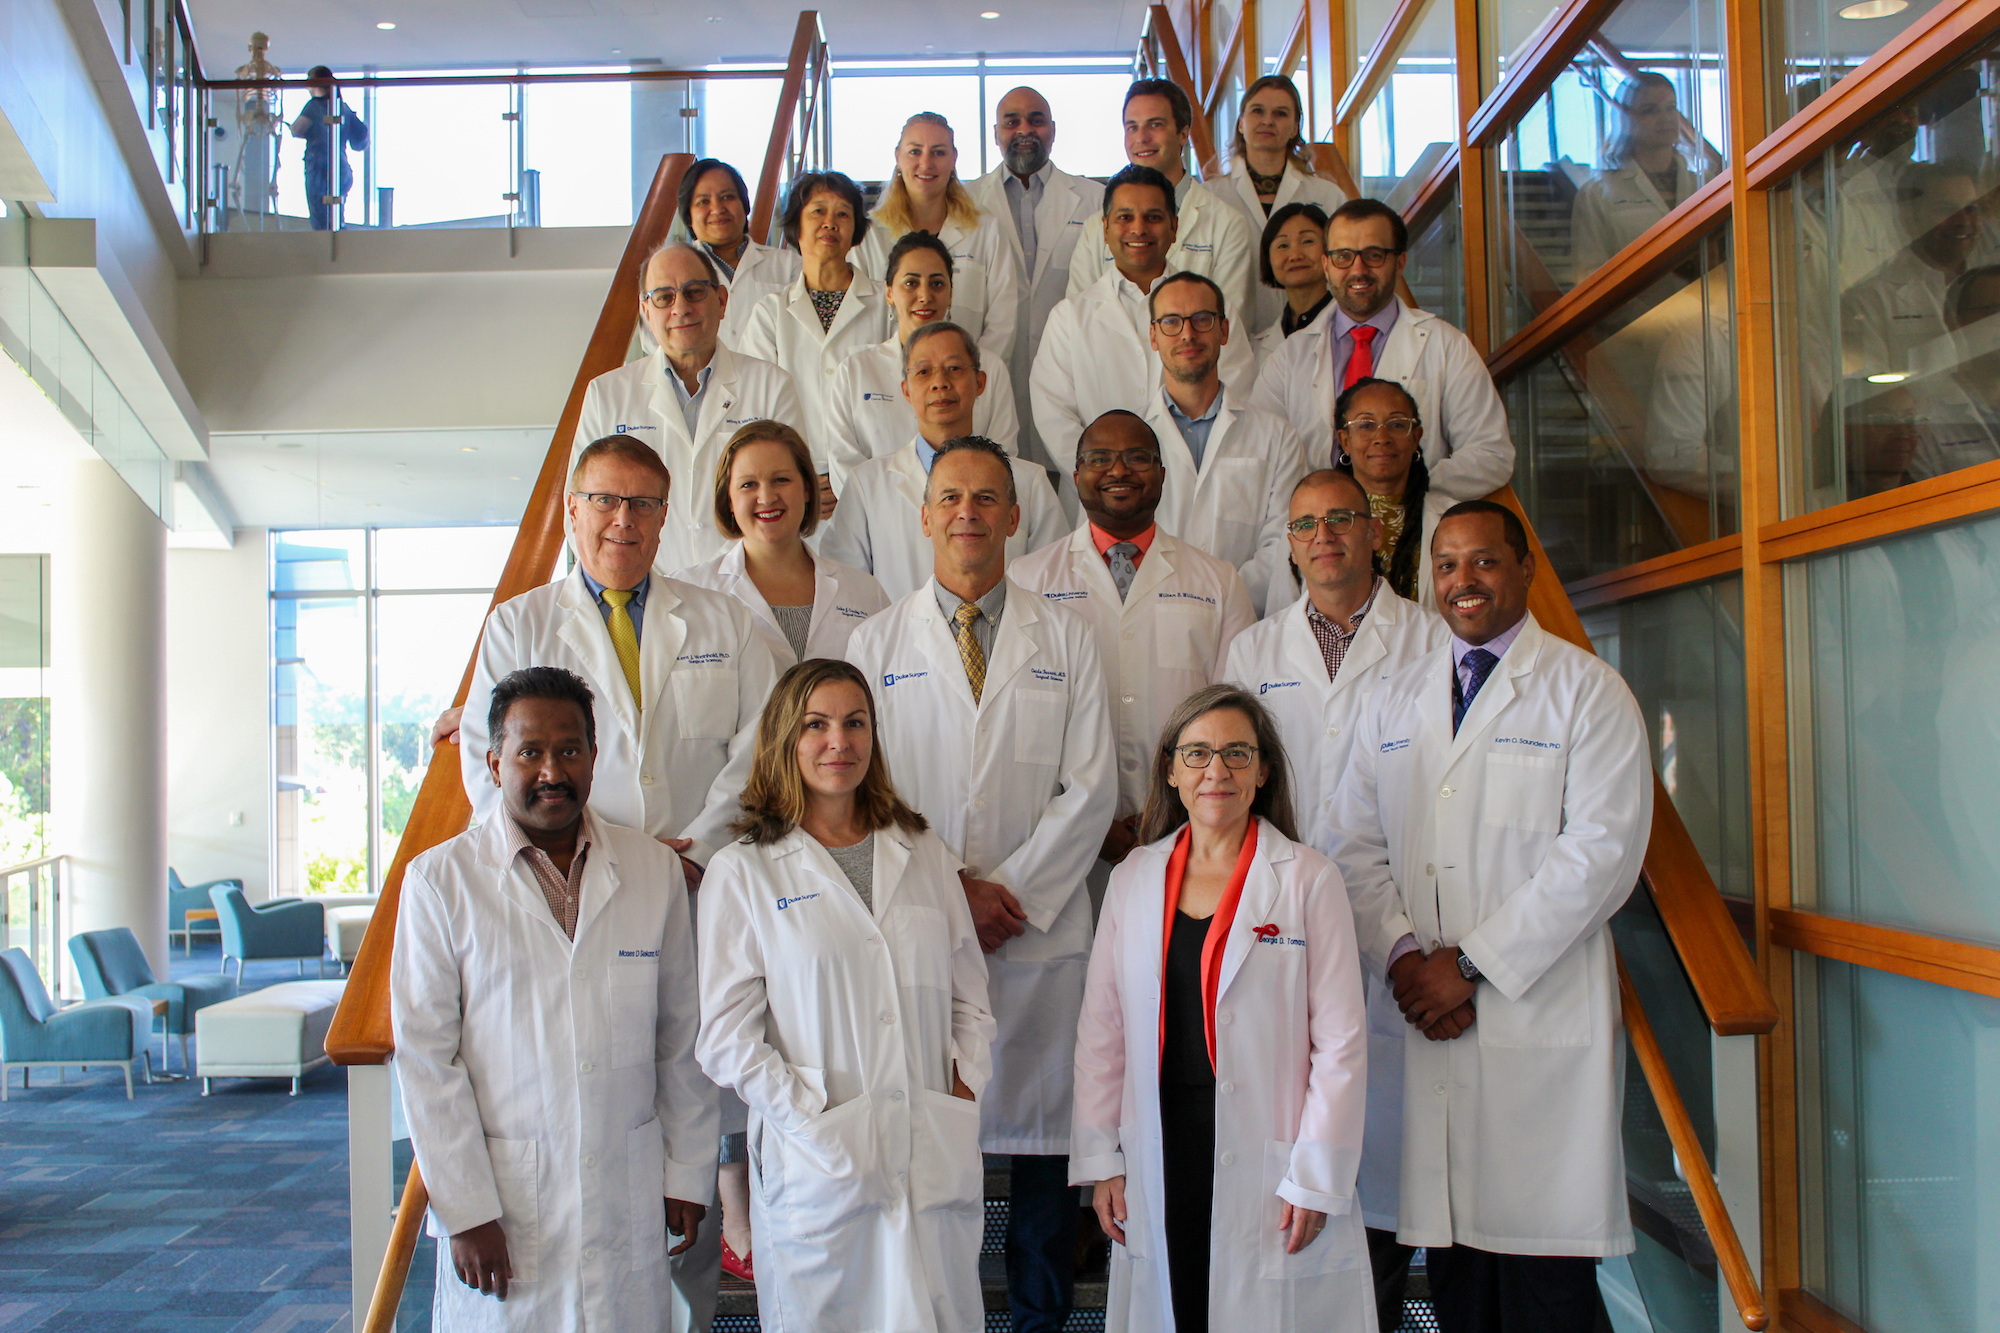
369	632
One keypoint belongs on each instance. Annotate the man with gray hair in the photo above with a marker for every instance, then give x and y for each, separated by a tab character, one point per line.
878	526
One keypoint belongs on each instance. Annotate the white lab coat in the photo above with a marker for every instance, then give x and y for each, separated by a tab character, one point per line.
1294	187
1291	1067
840	1028
878	527
843	597
1021	786
552	1085
1213	240
637	400
1516	840
674	771
1167	638
765	269
985	277
1615	207
1096	355
1068	205
1279	661
1466	444
784	328
867	415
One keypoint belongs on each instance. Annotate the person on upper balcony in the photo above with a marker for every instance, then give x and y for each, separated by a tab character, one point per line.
689	395
714	207
330	129
1042	203
1645	177
1270	168
1371	332
925	194
1213	239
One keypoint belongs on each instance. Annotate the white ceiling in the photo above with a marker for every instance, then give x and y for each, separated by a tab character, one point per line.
448	34
341	479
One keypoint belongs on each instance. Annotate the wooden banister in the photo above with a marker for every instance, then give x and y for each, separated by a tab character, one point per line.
1160	30
360	1033
805	41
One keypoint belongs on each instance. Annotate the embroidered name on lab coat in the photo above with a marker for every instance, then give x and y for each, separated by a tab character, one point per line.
1272	933
1523	740
783	903
1067	596
638	953
851	613
1187	597
703	659
1053	677
1388	746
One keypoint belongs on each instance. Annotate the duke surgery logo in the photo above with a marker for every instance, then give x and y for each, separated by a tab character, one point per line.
783	903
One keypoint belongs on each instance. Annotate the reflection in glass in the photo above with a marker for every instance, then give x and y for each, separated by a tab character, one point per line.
1627	434
1816	43
1901	640
1899	1091
1435	271
1413	122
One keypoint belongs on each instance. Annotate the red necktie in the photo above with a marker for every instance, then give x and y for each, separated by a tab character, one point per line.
1360	361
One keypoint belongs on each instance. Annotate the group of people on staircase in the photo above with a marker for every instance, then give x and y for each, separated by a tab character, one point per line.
864	801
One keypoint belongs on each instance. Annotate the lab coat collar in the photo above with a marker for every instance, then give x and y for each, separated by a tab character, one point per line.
1155	568
861	302
716	401
519	886
660	641
1183	477
1013	648
1500	689
1254	906
734	570
907	470
892	857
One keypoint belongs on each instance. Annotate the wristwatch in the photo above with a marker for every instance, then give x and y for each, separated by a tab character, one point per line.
1467	968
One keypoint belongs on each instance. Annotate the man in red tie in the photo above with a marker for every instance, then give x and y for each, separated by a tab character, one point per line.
1373	332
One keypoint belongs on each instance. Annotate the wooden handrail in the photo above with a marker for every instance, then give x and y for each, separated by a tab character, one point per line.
396	1260
361	1032
1722	1235
805	39
1160	29
1380	62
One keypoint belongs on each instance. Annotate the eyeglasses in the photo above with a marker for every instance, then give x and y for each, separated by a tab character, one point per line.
1234	757
1396	428
606	503
1136	460
1336	520
662	298
1374	256
1204	321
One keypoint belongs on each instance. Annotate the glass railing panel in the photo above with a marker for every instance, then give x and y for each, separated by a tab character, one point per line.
1413	121
1275	20
1816	43
1369	19
1436	268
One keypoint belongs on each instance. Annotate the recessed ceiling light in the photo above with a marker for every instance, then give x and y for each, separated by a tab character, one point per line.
617	50
1874	9
991	14
290	444
468	448
1889	377
715	18
386	27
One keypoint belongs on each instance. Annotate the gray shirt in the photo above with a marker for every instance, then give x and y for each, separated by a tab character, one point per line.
796	623
1193	429
1022	201
987	626
858	864
690	402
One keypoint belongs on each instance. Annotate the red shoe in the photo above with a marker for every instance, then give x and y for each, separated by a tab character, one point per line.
736	1267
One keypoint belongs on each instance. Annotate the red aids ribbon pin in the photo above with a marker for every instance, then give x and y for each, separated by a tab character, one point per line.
1267	931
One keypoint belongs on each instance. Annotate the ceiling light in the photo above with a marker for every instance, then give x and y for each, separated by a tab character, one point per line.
991	14
513	478
386	27
1874	9
290	444
1889	377
468	448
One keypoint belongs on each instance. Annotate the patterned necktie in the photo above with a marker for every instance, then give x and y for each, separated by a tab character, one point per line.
1479	665
1360	361
1124	558
969	651
624	639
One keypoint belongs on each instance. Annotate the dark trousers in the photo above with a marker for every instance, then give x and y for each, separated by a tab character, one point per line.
1041	1243
1474	1291
1187	1142
1390	1259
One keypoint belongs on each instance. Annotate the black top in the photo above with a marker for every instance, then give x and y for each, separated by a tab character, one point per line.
1184	1062
1292	323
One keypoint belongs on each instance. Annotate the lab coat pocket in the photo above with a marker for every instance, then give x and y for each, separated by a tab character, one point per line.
824	1173
946	1170
1555	1011
645	1183
514	1170
705	702
1235	498
1177	637
1040	717
634	995
1524	791
1138	1209
1332	1250
919	945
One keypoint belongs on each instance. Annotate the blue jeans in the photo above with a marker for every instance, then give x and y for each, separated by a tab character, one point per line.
1041	1244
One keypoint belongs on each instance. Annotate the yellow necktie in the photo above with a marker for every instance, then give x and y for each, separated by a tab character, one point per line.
625	640
969	651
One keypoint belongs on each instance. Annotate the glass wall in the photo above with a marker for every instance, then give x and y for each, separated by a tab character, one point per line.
1413	122
1814	44
1436	268
24	714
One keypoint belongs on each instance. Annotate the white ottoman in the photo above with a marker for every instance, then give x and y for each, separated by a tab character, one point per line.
345	928
277	1032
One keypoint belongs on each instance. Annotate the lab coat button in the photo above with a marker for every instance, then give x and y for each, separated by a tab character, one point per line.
1225	1019
585	1067
1125	698
645	779
1430	870
1439	1089
590	1159
979	803
1445	792
896	1096
582	972
1333	731
888	1018
590	1254
1229	1159
1228	1088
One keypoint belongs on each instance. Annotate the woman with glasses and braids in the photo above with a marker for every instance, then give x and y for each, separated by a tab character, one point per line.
1380	439
1221	1061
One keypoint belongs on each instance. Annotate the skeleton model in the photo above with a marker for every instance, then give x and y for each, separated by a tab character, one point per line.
259	134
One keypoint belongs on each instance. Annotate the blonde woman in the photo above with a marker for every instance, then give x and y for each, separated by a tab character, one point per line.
803	605
925	194
843	996
1270	166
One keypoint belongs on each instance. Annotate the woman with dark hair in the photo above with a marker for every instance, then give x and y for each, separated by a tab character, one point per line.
714	208
1379	439
843	997
1221	1061
1271	166
1291	259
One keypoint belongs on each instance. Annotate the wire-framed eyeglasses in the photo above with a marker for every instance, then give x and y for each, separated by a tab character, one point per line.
1234	757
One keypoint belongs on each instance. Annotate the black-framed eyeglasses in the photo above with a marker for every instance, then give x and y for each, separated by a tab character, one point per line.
1396	428
1136	460
1336	520
662	298
1373	256
1234	757
604	502
1204	321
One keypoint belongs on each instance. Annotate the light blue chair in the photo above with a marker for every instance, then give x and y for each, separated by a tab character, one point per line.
33	1032
289	928
181	896
112	963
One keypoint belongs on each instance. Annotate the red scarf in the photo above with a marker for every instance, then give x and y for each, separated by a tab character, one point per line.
1218	929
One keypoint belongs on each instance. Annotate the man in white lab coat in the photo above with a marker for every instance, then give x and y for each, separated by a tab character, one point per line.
1214	240
543	991
991	711
1163	609
687	397
879	525
1097	351
1317	663
1047	210
1371	332
1493	818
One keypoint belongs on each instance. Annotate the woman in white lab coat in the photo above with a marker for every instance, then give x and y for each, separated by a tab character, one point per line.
1379	436
843	996
925	194
714	207
804	605
1272	166
1221	1062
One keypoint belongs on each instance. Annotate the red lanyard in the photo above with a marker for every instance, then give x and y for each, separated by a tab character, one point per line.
1218	929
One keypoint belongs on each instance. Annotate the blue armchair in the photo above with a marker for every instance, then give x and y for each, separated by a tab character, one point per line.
112	963
114	1031
286	929
181	896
